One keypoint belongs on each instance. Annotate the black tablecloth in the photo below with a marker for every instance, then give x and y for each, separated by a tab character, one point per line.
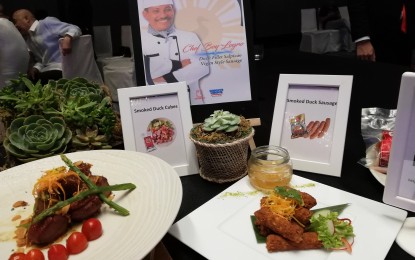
374	85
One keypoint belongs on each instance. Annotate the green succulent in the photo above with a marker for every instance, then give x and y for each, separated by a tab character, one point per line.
34	137
221	127
33	101
90	139
15	85
221	121
67	105
83	104
82	87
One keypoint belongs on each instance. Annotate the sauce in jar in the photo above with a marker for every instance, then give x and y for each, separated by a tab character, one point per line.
269	166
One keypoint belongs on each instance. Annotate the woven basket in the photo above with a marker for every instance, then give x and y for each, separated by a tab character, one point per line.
223	162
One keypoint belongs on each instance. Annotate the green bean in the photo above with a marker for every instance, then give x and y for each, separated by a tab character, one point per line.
80	196
91	185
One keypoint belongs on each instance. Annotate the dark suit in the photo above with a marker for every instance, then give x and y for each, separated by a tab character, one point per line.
381	21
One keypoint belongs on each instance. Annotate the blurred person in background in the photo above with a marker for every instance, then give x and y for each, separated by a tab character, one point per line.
378	31
42	40
14	56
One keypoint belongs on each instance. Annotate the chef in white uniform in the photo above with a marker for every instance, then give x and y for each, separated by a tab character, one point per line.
172	55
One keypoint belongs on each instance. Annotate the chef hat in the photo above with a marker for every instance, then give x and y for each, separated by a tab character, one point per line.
150	3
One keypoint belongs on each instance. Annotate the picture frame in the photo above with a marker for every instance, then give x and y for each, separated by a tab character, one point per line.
157	120
400	178
304	101
237	25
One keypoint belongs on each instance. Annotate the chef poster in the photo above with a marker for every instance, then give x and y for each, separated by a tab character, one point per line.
309	122
158	127
200	42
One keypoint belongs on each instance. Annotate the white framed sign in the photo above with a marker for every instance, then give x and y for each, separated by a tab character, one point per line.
157	120
310	120
400	179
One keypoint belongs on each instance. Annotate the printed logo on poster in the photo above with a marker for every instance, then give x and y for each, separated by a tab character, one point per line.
216	92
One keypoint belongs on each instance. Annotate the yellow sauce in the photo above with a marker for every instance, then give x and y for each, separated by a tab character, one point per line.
269	166
266	177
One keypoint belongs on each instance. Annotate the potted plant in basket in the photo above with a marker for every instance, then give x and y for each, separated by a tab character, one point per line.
222	146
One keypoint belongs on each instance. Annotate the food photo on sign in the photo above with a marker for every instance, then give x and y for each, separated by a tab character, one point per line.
308	125
157	124
204	53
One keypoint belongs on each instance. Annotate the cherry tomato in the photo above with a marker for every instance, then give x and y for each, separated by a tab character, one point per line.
92	229
17	256
76	243
57	252
34	254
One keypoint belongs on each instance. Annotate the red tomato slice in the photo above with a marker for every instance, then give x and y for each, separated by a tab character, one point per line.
76	243
92	229
34	254
17	256
57	252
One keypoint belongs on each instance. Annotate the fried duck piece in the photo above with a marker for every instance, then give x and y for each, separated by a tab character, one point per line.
303	215
309	201
278	224
276	243
263	230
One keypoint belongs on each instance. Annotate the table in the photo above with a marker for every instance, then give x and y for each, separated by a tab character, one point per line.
368	79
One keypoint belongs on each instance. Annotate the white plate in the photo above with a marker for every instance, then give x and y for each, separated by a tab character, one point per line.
405	238
153	205
222	229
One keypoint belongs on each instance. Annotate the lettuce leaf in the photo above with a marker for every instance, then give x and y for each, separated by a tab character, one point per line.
331	239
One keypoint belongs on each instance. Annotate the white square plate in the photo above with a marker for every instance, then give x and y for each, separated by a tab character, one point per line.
222	229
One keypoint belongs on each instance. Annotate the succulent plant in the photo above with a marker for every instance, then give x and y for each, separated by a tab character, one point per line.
90	139
221	127
68	105
33	101
221	121
82	87
34	137
9	94
83	104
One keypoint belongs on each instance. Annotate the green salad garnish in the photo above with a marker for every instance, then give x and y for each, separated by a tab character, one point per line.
331	230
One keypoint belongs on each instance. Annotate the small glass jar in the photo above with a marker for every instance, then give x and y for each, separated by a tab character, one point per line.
269	166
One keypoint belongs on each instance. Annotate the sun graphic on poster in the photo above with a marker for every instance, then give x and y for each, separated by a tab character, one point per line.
215	22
